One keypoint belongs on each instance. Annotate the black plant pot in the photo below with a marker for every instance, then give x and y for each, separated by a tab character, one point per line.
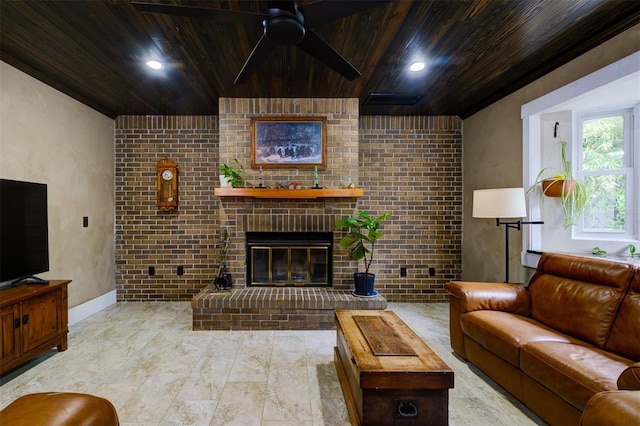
364	284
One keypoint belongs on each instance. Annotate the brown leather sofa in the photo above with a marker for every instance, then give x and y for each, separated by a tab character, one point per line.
567	343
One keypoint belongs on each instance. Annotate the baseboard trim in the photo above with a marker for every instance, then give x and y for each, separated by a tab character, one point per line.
80	312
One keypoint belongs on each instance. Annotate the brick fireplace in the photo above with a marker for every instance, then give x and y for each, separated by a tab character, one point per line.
262	308
240	215
259	217
256	307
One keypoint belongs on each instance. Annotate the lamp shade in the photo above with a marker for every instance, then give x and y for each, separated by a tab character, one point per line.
499	202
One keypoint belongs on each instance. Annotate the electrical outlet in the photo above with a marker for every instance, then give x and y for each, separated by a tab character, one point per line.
152	271
180	270
403	272
432	272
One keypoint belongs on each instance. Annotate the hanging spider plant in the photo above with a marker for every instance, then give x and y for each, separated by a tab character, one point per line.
574	193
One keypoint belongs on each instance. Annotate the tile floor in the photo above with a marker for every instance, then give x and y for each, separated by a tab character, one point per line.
145	359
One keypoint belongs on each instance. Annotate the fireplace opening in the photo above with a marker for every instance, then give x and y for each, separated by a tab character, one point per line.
289	259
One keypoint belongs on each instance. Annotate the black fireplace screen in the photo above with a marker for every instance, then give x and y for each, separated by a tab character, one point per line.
289	258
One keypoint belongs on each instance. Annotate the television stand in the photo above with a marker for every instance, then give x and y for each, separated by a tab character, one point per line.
34	320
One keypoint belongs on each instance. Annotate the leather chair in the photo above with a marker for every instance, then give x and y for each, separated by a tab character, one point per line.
60	409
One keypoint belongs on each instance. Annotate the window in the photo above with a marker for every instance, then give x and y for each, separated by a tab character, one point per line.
606	163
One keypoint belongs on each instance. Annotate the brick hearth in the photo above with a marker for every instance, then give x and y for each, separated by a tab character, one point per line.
275	308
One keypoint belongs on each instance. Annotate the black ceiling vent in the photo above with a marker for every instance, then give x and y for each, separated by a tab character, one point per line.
392	99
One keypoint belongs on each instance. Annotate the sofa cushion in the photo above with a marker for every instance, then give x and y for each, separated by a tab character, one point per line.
625	334
572	371
578	296
504	333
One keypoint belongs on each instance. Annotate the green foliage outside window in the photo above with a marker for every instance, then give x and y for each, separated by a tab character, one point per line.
603	153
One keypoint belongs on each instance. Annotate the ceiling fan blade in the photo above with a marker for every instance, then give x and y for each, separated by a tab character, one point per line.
320	12
201	12
319	49
262	50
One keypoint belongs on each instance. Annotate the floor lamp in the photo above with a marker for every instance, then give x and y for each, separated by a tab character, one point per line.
502	203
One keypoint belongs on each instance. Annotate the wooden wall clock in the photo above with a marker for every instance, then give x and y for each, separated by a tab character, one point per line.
167	172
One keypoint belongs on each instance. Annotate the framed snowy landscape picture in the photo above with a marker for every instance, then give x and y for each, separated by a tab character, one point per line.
288	142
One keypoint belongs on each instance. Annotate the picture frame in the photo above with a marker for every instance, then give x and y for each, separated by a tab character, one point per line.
288	142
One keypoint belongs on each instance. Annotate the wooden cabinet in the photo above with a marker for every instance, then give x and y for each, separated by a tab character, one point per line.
33	320
11	333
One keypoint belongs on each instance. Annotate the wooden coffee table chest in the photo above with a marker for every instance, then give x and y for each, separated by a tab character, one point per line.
389	376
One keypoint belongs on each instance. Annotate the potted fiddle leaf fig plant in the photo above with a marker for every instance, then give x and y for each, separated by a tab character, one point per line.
364	232
232	176
574	193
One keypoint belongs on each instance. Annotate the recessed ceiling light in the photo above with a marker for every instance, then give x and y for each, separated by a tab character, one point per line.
155	65
417	66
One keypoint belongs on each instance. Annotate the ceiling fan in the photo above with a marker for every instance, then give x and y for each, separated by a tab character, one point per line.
285	23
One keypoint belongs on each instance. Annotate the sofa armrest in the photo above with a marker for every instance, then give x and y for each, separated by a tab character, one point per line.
473	296
476	296
630	378
612	408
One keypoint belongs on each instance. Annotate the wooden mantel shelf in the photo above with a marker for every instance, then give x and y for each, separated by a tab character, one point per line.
288	193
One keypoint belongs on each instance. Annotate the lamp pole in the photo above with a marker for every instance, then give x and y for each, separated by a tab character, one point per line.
515	225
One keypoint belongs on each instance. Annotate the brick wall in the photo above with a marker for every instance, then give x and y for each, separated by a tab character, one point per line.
411	166
147	236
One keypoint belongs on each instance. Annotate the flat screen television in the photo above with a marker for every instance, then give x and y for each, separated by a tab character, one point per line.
24	231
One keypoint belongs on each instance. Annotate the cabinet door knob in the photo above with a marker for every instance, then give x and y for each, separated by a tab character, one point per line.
25	319
16	323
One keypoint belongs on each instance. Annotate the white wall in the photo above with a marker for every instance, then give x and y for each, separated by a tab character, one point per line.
553	231
47	137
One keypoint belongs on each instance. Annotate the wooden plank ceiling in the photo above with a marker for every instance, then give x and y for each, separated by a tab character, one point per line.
477	51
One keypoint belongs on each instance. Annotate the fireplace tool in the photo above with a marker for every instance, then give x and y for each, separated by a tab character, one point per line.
223	278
